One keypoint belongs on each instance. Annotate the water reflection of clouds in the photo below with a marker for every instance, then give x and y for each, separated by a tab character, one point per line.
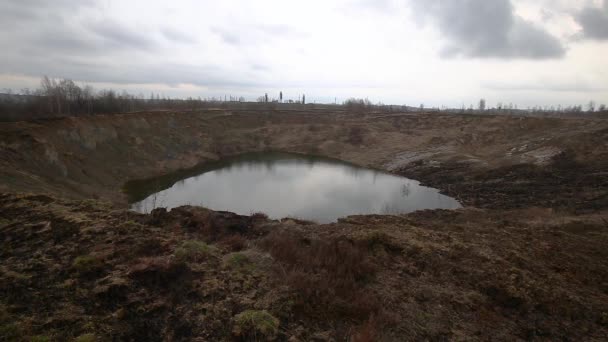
308	189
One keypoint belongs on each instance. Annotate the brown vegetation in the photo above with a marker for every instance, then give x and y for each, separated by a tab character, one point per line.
471	273
327	277
524	260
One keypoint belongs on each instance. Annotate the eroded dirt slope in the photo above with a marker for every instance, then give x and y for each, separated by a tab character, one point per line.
94	156
526	259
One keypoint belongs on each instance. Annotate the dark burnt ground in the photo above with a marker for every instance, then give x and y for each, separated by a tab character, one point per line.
72	269
564	184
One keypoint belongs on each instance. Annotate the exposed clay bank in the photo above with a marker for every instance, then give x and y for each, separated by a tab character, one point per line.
294	185
463	156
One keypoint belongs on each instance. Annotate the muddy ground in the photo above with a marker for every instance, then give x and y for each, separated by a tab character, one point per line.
526	259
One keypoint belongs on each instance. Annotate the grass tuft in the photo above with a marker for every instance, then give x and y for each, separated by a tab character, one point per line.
328	277
238	261
259	216
10	331
86	264
255	324
193	251
234	243
86	338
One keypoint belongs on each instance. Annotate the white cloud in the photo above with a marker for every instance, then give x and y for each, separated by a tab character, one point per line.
325	49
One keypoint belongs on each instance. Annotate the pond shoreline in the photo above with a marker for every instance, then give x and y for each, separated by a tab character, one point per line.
283	184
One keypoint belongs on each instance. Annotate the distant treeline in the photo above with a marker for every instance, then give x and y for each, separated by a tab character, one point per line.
59	98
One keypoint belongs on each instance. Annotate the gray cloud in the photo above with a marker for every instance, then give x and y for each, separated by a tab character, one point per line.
177	36
60	41
35	27
60	44
254	34
11	16
133	72
16	14
574	85
227	35
366	6
277	30
488	29
594	21
116	35
238	44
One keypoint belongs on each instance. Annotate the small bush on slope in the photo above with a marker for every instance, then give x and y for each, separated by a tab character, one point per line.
327	277
192	250
255	324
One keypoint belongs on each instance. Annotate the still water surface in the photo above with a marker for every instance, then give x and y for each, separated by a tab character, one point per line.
288	185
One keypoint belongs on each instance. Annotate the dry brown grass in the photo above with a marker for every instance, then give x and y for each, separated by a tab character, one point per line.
356	135
158	271
234	243
328	278
259	216
367	332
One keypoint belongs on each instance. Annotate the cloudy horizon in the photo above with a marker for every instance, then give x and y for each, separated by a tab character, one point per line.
451	53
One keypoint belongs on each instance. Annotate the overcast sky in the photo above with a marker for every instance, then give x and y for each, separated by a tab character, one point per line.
452	52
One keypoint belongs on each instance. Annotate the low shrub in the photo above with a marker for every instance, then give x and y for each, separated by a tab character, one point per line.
86	338
87	264
148	247
128	226
380	241
255	324
355	136
238	261
234	243
213	226
314	128
259	216
62	229
193	251
328	277
367	332
10	331
160	272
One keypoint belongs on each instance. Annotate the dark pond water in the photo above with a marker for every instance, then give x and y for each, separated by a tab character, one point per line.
287	185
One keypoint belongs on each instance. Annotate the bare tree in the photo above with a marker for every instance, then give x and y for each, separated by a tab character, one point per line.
48	90
357	105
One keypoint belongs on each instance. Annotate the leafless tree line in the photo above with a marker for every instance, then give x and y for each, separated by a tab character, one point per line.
559	110
57	98
359	105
